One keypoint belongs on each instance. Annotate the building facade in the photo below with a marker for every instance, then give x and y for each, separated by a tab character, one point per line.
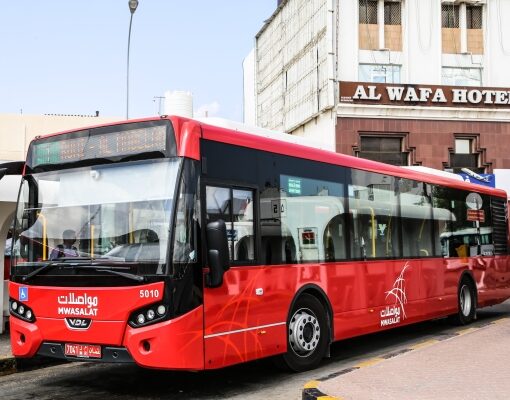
407	82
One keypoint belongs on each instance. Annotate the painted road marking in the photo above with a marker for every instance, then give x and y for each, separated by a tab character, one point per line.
368	363
500	320
312	385
312	392
424	344
467	330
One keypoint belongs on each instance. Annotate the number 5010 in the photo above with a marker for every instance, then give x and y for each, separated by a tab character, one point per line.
149	294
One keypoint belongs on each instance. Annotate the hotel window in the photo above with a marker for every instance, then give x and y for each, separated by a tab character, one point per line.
462	28
386	149
474	27
379	73
474	17
392	13
464	157
368	12
449	16
453	76
380	25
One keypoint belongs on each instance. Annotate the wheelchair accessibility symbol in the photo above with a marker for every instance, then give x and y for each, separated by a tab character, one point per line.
23	293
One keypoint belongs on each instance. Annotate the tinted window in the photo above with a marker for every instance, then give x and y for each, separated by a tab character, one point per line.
235	207
373	206
470	231
416	217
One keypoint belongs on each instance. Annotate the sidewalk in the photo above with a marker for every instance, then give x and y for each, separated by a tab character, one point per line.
7	362
473	364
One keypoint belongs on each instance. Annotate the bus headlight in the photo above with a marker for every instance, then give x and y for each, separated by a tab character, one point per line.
21	311
148	315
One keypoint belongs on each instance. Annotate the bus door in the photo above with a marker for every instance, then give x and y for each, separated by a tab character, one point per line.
237	314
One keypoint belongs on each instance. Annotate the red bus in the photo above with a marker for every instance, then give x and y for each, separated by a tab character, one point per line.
176	244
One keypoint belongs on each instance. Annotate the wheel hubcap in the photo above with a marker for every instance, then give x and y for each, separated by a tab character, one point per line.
304	332
465	300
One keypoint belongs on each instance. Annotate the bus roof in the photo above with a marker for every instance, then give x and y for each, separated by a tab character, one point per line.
271	141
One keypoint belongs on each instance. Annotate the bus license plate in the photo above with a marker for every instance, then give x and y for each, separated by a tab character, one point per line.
83	350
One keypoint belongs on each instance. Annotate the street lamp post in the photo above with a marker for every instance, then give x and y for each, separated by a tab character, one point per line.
133	4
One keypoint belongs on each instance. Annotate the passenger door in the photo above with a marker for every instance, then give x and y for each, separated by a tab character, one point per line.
234	313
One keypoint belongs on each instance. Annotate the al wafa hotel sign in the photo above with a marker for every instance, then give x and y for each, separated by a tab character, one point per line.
423	95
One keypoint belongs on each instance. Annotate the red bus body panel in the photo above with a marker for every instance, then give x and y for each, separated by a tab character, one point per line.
240	326
174	344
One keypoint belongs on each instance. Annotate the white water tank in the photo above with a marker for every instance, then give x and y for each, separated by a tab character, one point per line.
179	102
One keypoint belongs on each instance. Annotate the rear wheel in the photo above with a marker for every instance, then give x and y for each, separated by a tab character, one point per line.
466	299
307	335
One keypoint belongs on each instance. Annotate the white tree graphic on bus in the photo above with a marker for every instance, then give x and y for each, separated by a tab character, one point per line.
399	291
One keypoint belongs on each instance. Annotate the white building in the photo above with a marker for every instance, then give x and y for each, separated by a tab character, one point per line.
409	82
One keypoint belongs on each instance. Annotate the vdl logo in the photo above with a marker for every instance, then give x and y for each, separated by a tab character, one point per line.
23	293
78	323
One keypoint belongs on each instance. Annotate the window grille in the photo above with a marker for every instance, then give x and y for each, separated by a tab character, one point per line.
474	17
384	149
500	223
449	16
460	160
368	12
392	13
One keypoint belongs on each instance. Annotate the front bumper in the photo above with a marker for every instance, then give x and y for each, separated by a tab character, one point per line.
173	344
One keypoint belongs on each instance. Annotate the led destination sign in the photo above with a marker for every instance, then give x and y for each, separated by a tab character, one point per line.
84	146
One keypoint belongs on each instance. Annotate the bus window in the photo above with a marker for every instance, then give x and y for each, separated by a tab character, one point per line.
470	232
242	219
186	225
311	212
373	207
443	218
416	219
235	207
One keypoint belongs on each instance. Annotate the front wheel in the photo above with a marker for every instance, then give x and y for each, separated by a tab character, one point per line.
307	335
466	299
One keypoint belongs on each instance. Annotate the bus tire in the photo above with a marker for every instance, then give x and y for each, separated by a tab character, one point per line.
307	335
466	302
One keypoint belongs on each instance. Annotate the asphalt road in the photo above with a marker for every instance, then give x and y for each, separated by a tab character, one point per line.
257	380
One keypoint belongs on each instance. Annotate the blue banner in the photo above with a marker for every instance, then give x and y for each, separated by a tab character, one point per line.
487	179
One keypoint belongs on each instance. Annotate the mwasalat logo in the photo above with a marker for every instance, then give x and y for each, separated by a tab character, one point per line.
77	305
393	314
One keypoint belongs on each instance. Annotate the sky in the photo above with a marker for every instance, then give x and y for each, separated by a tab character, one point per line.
70	56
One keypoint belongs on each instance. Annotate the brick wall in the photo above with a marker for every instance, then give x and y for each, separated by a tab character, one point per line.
429	142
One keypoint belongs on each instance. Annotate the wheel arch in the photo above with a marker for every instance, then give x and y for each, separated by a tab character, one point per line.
317	292
468	275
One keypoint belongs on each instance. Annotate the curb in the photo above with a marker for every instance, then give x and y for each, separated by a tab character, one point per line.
7	365
311	389
311	392
11	365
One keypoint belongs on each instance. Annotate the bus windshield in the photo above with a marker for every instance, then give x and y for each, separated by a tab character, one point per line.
114	214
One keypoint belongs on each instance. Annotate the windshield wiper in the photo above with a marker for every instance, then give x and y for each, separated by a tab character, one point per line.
46	266
64	262
109	269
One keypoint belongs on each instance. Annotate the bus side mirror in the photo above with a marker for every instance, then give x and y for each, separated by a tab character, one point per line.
217	252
